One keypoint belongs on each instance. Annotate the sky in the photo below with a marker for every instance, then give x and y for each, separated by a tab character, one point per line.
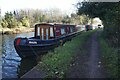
66	6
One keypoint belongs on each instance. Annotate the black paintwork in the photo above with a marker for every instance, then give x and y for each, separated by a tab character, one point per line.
26	49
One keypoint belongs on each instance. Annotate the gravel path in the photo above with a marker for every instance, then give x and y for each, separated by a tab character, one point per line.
87	62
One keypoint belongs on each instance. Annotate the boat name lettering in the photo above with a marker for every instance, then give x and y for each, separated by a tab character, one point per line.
32	42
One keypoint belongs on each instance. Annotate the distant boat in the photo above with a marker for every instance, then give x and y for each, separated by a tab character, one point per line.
88	27
46	37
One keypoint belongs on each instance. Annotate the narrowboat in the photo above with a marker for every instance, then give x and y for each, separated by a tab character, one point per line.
46	37
80	27
88	27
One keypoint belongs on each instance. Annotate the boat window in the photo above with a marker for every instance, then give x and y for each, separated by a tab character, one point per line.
38	31
42	34
71	29
51	32
62	31
46	33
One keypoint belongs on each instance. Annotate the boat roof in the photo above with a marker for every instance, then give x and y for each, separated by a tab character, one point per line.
51	24
66	24
54	24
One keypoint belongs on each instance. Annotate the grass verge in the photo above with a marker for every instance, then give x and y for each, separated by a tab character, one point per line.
57	62
110	57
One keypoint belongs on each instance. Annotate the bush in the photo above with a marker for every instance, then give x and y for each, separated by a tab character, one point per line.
25	22
110	58
4	23
19	23
13	22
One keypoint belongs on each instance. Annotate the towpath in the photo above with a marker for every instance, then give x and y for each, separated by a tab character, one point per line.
87	63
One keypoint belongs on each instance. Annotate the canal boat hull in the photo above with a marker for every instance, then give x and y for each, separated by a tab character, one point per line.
33	47
25	51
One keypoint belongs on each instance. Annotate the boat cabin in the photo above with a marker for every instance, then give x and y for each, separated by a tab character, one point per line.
63	29
46	31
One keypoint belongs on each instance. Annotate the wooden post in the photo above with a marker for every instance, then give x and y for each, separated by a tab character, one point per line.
48	32
41	33
36	31
44	33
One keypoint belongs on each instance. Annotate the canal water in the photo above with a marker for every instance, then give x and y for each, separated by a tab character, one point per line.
12	65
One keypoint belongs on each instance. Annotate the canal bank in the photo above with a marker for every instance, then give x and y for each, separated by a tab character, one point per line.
35	73
16	30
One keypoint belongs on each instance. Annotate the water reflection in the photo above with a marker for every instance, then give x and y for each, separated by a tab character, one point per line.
0	57
25	66
12	65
